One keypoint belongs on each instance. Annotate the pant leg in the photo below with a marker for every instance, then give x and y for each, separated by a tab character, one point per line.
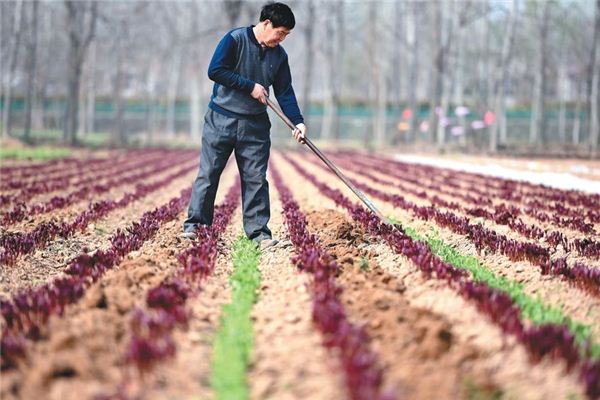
218	141
252	156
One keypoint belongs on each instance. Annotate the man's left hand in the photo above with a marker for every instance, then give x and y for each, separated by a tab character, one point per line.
300	132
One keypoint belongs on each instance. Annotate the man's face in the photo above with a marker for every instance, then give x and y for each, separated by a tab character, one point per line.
274	36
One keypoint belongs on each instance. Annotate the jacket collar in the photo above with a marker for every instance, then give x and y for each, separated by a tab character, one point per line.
252	35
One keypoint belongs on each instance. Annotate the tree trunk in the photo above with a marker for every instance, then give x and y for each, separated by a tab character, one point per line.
72	107
333	70
594	113
484	63
91	91
575	133
595	83
44	55
195	106
233	9
151	74
31	69
489	68
436	84
438	67
538	121
502	77
378	80
82	107
172	93
339	75
562	85
118	128
308	57
412	39
398	62
459	88
13	54
78	21
440	128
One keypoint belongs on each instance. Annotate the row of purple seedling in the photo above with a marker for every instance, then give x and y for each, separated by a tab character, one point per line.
26	315
574	218
21	210
483	238
67	163
522	188
12	245
71	169
548	340
562	216
506	189
502	214
363	375
87	177
27	170
151	328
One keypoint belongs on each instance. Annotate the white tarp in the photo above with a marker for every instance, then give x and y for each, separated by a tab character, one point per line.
559	180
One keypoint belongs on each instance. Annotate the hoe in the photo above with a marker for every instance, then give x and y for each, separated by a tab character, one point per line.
331	166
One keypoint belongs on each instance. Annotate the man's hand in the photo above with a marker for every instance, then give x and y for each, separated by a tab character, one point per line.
300	132
260	93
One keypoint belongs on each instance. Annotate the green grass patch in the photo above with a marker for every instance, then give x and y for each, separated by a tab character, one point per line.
34	153
235	340
92	140
533	309
478	392
364	264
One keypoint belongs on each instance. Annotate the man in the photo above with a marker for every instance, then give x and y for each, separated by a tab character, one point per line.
246	62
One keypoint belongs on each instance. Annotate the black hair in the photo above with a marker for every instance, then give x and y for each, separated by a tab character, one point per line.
279	14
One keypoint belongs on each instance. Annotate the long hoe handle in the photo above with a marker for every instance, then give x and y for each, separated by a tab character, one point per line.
331	166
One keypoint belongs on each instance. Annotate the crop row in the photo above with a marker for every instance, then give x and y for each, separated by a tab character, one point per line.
483	238
541	341
363	375
27	313
531	202
63	182
21	210
234	341
55	165
152	327
15	244
67	164
501	214
562	216
507	189
70	169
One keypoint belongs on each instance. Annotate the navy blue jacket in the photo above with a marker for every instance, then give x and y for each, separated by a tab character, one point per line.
238	63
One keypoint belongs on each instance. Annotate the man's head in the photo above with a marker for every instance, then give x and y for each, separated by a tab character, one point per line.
276	22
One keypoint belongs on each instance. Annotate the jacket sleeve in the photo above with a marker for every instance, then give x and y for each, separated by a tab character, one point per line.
222	64
284	92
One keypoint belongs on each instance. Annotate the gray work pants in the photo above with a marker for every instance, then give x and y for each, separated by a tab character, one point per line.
251	141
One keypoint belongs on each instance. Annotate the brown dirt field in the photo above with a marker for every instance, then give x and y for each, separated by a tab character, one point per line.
576	303
118	167
430	342
69	212
571	235
478	183
82	352
289	361
503	361
47	263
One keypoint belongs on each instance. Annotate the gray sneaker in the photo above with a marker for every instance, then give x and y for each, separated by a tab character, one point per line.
266	244
188	235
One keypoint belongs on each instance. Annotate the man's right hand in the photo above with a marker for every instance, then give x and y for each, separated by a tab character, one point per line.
259	93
